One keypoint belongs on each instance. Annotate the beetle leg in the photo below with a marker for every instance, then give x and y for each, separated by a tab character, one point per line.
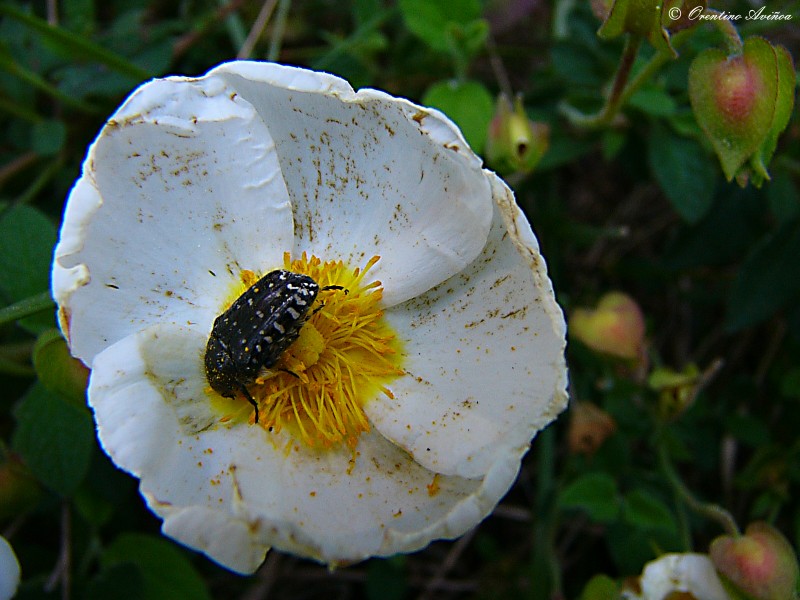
328	287
250	399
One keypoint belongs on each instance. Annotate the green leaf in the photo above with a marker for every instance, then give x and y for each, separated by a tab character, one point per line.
30	78
79	16
27	238
611	144
57	370
120	582
576	66
27	307
768	280
469	104
784	102
725	233
54	438
387	579
643	510
654	102
166	572
639	17
748	429
600	587
790	383
563	150
440	22
48	137
784	199
594	493
684	172
74	45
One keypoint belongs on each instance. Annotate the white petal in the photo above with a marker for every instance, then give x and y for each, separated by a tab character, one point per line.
369	174
484	356
692	573
9	570
180	191
233	491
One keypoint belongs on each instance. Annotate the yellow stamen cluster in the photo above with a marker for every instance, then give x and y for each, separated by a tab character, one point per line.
345	356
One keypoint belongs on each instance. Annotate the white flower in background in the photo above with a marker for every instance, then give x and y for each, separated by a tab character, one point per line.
9	570
402	412
684	575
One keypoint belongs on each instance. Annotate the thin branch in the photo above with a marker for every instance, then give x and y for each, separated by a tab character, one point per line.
436	582
61	571
278	30
498	68
20	163
266	577
188	40
609	112
257	29
707	509
52	12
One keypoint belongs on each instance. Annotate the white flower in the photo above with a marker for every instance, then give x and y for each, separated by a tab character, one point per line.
402	412
688	573
9	570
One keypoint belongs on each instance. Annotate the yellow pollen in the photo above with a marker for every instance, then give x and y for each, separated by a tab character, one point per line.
345	356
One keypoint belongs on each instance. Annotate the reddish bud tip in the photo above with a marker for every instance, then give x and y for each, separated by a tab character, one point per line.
736	87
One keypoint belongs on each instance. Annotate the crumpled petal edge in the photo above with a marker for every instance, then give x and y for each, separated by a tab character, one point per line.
523	238
84	201
465	515
224	539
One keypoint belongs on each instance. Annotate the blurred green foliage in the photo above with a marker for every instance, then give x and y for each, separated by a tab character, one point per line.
638	203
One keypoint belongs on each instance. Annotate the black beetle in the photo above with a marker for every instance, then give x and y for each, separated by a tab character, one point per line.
252	334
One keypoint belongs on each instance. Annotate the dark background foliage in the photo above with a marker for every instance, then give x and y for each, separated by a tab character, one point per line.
640	207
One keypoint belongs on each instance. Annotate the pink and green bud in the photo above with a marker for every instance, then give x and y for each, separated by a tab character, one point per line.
759	565
615	327
515	143
743	102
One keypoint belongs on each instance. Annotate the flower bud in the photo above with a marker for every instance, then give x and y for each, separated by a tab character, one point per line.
641	18
760	564
601	8
589	427
677	390
743	102
515	144
678	15
615	327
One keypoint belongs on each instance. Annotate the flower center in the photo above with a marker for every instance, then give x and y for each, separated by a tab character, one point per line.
345	355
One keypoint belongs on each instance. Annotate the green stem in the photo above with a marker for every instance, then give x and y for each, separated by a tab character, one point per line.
26	307
545	569
614	100
658	60
707	509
